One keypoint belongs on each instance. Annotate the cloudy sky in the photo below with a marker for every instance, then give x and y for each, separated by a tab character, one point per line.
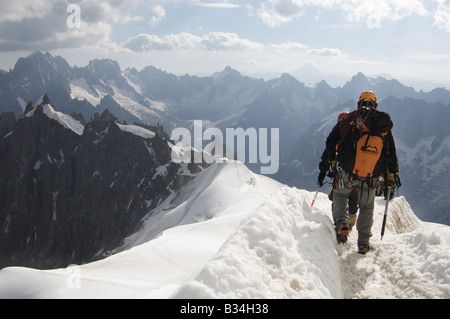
408	39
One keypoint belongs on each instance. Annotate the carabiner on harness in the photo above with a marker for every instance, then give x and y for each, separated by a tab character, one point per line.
338	181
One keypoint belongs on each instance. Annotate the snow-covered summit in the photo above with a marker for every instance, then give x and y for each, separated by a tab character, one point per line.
233	234
65	120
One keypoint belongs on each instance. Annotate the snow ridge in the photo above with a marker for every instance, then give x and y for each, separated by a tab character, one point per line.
65	120
283	250
233	234
136	130
286	249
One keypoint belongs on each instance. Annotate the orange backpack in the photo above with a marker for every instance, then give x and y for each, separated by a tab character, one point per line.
363	151
369	148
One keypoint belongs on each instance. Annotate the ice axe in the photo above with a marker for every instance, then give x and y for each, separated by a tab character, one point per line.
388	197
315	196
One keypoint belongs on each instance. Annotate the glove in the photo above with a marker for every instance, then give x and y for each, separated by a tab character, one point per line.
333	164
321	178
390	180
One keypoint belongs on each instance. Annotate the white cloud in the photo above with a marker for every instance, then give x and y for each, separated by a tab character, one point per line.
402	9
160	14
149	42
96	38
289	45
18	10
442	15
130	18
326	52
222	5
214	41
275	13
228	41
42	25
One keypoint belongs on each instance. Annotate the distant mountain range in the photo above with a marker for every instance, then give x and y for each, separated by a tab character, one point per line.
304	113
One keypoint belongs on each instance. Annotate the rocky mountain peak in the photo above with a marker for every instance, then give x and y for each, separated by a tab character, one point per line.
228	73
104	68
30	106
78	196
106	116
46	101
79	117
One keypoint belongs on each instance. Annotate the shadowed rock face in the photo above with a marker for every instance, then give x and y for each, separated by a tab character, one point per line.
67	198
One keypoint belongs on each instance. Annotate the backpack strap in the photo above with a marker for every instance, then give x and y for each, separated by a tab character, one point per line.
348	123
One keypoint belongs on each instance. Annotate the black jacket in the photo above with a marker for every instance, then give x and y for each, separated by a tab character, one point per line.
376	121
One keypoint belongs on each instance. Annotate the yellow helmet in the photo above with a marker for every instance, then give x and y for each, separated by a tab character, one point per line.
368	96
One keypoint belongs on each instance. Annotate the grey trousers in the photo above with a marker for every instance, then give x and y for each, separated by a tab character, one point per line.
366	195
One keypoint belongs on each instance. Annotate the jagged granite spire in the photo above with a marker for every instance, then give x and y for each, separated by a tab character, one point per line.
46	100
105	117
29	107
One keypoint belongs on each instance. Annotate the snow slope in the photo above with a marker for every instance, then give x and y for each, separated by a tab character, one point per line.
65	120
233	234
136	130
